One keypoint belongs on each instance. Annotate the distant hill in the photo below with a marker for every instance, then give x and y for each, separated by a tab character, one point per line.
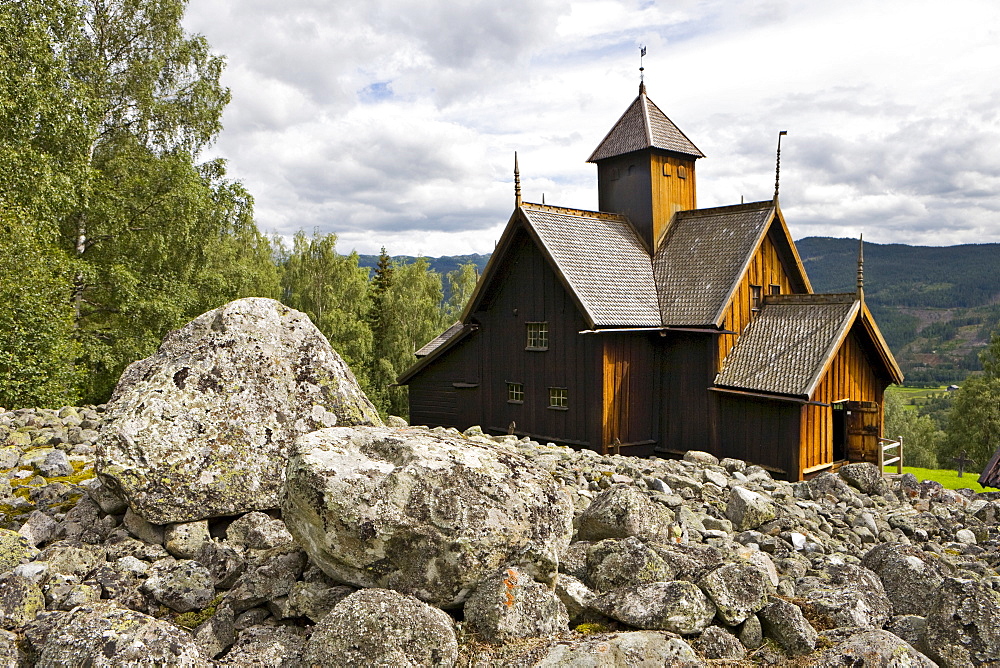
936	305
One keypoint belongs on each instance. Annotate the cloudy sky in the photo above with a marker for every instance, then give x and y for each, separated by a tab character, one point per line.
394	122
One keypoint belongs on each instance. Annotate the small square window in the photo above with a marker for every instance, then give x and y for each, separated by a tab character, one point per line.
775	289
755	296
538	336
558	398
515	393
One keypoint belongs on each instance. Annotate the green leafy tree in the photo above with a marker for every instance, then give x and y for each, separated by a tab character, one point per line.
333	291
37	350
107	105
921	437
974	419
461	283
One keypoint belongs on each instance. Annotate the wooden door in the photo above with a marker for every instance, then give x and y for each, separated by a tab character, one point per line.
863	431
617	369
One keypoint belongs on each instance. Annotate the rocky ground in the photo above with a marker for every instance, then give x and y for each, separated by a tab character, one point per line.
395	545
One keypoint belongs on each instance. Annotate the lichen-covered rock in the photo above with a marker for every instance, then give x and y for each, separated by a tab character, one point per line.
909	576
621	511
963	624
785	623
315	600
634	649
676	606
14	549
203	427
716	642
103	634
509	604
183	585
619	563
186	540
258	531
272	578
849	596
864	477
266	646
737	590
748	510
379	627
421	513
20	600
10	655
874	647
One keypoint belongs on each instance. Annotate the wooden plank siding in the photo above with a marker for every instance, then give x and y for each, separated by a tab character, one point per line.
527	290
671	192
686	411
759	431
629	387
766	268
435	400
849	377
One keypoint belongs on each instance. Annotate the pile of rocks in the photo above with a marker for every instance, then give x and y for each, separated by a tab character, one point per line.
250	509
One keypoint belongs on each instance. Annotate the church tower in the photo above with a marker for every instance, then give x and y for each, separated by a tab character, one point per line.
645	169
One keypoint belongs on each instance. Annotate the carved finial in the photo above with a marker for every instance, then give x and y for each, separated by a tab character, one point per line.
777	165
861	267
642	84
517	183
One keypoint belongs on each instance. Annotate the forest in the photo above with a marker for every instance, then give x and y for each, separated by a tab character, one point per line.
114	230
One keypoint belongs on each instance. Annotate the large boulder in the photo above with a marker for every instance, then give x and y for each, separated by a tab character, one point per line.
635	649
910	577
872	648
422	513
103	634
203	427
509	605
737	590
678	606
963	624
849	595
378	627
621	511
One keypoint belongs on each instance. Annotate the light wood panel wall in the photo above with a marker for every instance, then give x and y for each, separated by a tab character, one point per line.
669	191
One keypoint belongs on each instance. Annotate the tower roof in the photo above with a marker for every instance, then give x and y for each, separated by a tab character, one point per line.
643	126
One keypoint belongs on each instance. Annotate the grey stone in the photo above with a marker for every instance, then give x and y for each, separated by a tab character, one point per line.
383	627
37	529
203	428
621	511
864	477
676	606
106	498
575	595
908	627
619	563
217	633
849	596
421	513
142	529
397	422
716	642
737	590
747	509
873	647
20	600
104	634
278	570
509	604
963	624
701	457
15	549
9	456
751	634
909	576
785	623
183	586
185	541
258	531
315	599
266	646
69	558
10	654
56	463
225	562
634	649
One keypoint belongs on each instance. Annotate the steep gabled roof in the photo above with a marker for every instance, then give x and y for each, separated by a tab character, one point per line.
702	258
786	347
643	126
602	261
439	340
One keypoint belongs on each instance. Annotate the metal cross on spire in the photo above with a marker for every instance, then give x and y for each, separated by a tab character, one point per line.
642	84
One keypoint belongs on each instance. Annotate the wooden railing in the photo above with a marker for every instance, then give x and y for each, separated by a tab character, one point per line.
888	444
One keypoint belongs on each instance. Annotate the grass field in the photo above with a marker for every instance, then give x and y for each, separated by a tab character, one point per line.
947	478
914	396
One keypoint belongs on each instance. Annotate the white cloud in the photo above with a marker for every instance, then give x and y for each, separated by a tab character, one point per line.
394	123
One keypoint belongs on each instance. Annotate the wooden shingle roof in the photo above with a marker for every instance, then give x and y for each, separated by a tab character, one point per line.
786	346
702	257
643	126
603	261
439	340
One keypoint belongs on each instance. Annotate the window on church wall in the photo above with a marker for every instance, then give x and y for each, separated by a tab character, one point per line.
666	169
756	294
775	289
559	398
682	172
538	336
515	393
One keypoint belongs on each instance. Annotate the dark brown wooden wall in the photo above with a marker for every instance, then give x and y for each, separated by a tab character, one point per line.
526	289
435	400
687	370
759	431
631	385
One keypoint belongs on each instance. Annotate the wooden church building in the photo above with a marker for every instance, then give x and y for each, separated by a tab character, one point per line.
655	327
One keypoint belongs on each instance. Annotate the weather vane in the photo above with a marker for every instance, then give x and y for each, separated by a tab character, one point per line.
642	53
